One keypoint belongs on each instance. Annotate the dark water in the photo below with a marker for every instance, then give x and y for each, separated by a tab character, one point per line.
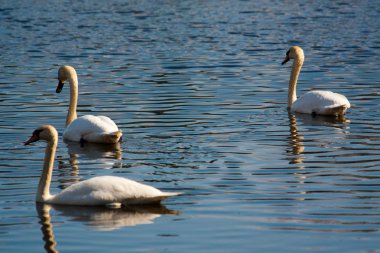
199	92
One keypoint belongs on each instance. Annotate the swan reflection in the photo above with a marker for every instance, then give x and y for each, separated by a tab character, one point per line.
105	154
94	150
97	218
323	120
296	141
46	227
297	146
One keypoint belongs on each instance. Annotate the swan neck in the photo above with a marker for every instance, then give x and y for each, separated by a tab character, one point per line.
72	113
296	69
43	192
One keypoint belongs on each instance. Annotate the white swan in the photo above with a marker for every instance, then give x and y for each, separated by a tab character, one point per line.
312	102
103	190
99	129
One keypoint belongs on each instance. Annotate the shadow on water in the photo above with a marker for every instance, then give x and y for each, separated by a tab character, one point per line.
97	218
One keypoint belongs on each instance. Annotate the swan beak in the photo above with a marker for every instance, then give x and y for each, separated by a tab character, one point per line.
286	59
59	87
34	138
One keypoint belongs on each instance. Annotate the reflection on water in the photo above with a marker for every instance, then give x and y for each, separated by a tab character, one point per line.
296	139
94	150
322	120
97	218
297	147
46	227
108	156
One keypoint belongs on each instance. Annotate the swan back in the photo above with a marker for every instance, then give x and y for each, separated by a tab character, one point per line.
105	190
92	128
321	102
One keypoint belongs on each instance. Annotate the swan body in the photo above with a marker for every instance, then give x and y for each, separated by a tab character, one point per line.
103	190
313	102
107	190
88	128
99	129
321	102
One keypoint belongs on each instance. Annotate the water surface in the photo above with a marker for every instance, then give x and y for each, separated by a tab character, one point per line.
199	92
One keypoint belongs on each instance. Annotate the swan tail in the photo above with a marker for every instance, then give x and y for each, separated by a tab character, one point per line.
114	137
339	111
171	194
107	138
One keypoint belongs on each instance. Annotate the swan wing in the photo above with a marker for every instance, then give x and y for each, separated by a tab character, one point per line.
320	102
89	124
105	190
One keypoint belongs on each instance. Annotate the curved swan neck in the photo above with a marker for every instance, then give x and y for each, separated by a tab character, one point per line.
72	113
296	69
43	192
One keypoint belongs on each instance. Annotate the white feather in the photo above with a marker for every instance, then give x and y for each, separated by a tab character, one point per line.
87	126
319	102
105	190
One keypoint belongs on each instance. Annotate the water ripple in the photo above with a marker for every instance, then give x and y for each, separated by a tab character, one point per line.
200	95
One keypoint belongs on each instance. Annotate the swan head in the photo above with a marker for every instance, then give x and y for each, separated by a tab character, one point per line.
65	73
46	133
294	52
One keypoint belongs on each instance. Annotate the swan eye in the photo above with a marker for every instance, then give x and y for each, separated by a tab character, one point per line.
35	137
37	132
287	53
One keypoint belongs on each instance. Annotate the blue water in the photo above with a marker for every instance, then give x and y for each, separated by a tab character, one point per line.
198	90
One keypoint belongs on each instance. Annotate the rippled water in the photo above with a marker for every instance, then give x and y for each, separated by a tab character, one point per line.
199	92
